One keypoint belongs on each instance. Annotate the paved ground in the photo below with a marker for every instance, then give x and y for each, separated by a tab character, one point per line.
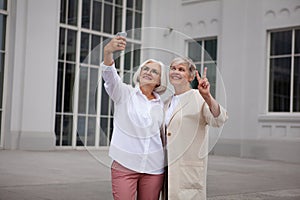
82	175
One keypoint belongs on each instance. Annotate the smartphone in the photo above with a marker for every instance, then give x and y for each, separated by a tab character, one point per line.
122	34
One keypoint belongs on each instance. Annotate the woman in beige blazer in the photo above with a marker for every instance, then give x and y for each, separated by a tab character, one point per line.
189	112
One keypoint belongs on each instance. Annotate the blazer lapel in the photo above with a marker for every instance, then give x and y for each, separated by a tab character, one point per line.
183	101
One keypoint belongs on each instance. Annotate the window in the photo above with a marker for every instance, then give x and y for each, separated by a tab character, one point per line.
84	112
204	53
284	70
3	28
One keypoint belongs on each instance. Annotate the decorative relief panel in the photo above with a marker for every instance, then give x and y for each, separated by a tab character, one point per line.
265	131
279	131
202	25
279	126
282	13
294	131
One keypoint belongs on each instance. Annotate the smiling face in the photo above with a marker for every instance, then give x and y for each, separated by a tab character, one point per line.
179	75
150	74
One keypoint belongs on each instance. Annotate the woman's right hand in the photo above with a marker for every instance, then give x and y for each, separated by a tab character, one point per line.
117	43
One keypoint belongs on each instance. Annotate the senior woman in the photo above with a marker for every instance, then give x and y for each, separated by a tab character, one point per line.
136	148
189	112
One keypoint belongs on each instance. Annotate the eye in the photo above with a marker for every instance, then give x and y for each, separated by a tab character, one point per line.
145	68
172	68
154	71
181	69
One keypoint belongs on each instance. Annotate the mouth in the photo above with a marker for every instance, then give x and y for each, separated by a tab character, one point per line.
147	77
175	77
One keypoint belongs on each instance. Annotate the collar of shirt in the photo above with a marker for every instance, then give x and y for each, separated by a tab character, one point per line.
139	91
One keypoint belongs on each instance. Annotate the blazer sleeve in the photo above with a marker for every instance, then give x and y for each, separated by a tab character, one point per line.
214	121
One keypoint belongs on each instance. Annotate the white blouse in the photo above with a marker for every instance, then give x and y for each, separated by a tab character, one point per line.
175	100
136	141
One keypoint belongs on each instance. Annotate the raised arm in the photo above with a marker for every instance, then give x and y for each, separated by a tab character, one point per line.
113	83
204	89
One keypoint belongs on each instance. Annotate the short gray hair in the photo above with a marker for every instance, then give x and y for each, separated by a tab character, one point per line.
186	62
163	76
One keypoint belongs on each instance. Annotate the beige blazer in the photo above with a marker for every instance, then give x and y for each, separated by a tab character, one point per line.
186	145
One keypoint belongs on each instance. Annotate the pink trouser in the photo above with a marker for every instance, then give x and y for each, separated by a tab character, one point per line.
127	184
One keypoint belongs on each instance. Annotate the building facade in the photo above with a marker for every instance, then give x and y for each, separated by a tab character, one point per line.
52	94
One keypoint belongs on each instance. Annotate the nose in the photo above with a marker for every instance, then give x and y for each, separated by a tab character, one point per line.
148	71
174	71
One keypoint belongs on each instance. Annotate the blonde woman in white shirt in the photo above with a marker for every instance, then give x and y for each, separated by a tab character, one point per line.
136	148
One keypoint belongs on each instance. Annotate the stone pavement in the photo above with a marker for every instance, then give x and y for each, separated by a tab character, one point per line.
82	175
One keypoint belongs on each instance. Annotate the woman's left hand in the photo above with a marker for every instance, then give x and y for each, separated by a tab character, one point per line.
203	83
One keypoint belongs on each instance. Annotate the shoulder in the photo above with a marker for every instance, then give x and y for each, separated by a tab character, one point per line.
198	101
197	95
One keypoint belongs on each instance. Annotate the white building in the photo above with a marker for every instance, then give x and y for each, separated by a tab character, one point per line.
50	97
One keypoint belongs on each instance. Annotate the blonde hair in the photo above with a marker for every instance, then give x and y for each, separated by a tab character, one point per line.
186	62
163	76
